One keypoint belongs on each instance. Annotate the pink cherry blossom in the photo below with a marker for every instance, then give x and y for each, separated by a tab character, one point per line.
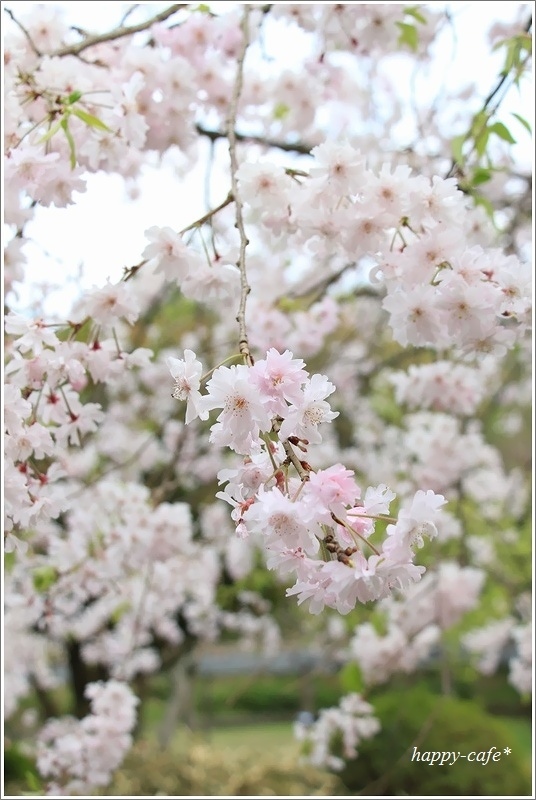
244	414
303	419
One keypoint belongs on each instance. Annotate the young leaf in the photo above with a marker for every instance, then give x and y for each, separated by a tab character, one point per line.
479	122
502	132
481	142
413	11
70	140
89	119
481	175
456	146
281	110
408	35
523	121
512	56
50	133
73	97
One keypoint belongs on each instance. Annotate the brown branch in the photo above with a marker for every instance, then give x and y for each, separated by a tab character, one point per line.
287	147
117	33
23	29
205	218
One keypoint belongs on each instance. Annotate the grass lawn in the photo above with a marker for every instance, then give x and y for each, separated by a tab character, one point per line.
268	736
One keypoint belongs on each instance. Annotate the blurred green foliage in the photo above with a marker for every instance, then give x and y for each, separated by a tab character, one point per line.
19	768
419	718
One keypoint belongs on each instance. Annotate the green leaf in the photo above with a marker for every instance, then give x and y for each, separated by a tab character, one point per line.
281	110
70	140
525	42
479	122
408	36
512	56
44	577
413	11
481	175
481	142
456	146
73	97
89	119
523	121
502	132
51	131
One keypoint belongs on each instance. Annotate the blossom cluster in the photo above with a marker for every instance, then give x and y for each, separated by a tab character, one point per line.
441	291
490	644
414	622
46	414
269	411
348	723
78	755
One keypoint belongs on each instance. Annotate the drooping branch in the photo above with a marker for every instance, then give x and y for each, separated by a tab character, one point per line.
245	289
117	33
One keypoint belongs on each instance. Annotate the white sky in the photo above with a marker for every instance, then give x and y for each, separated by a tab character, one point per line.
91	241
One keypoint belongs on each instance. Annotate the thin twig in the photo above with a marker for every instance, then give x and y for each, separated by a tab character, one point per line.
117	33
206	217
23	29
129	272
319	289
289	451
493	92
287	147
128	12
245	289
291	455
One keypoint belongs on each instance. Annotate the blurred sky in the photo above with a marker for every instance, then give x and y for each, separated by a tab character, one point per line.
93	240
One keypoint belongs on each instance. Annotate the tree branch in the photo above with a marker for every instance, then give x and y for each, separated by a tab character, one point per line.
117	33
23	29
245	289
287	147
205	218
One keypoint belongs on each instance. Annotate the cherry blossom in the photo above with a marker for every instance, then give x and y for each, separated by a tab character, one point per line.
187	374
